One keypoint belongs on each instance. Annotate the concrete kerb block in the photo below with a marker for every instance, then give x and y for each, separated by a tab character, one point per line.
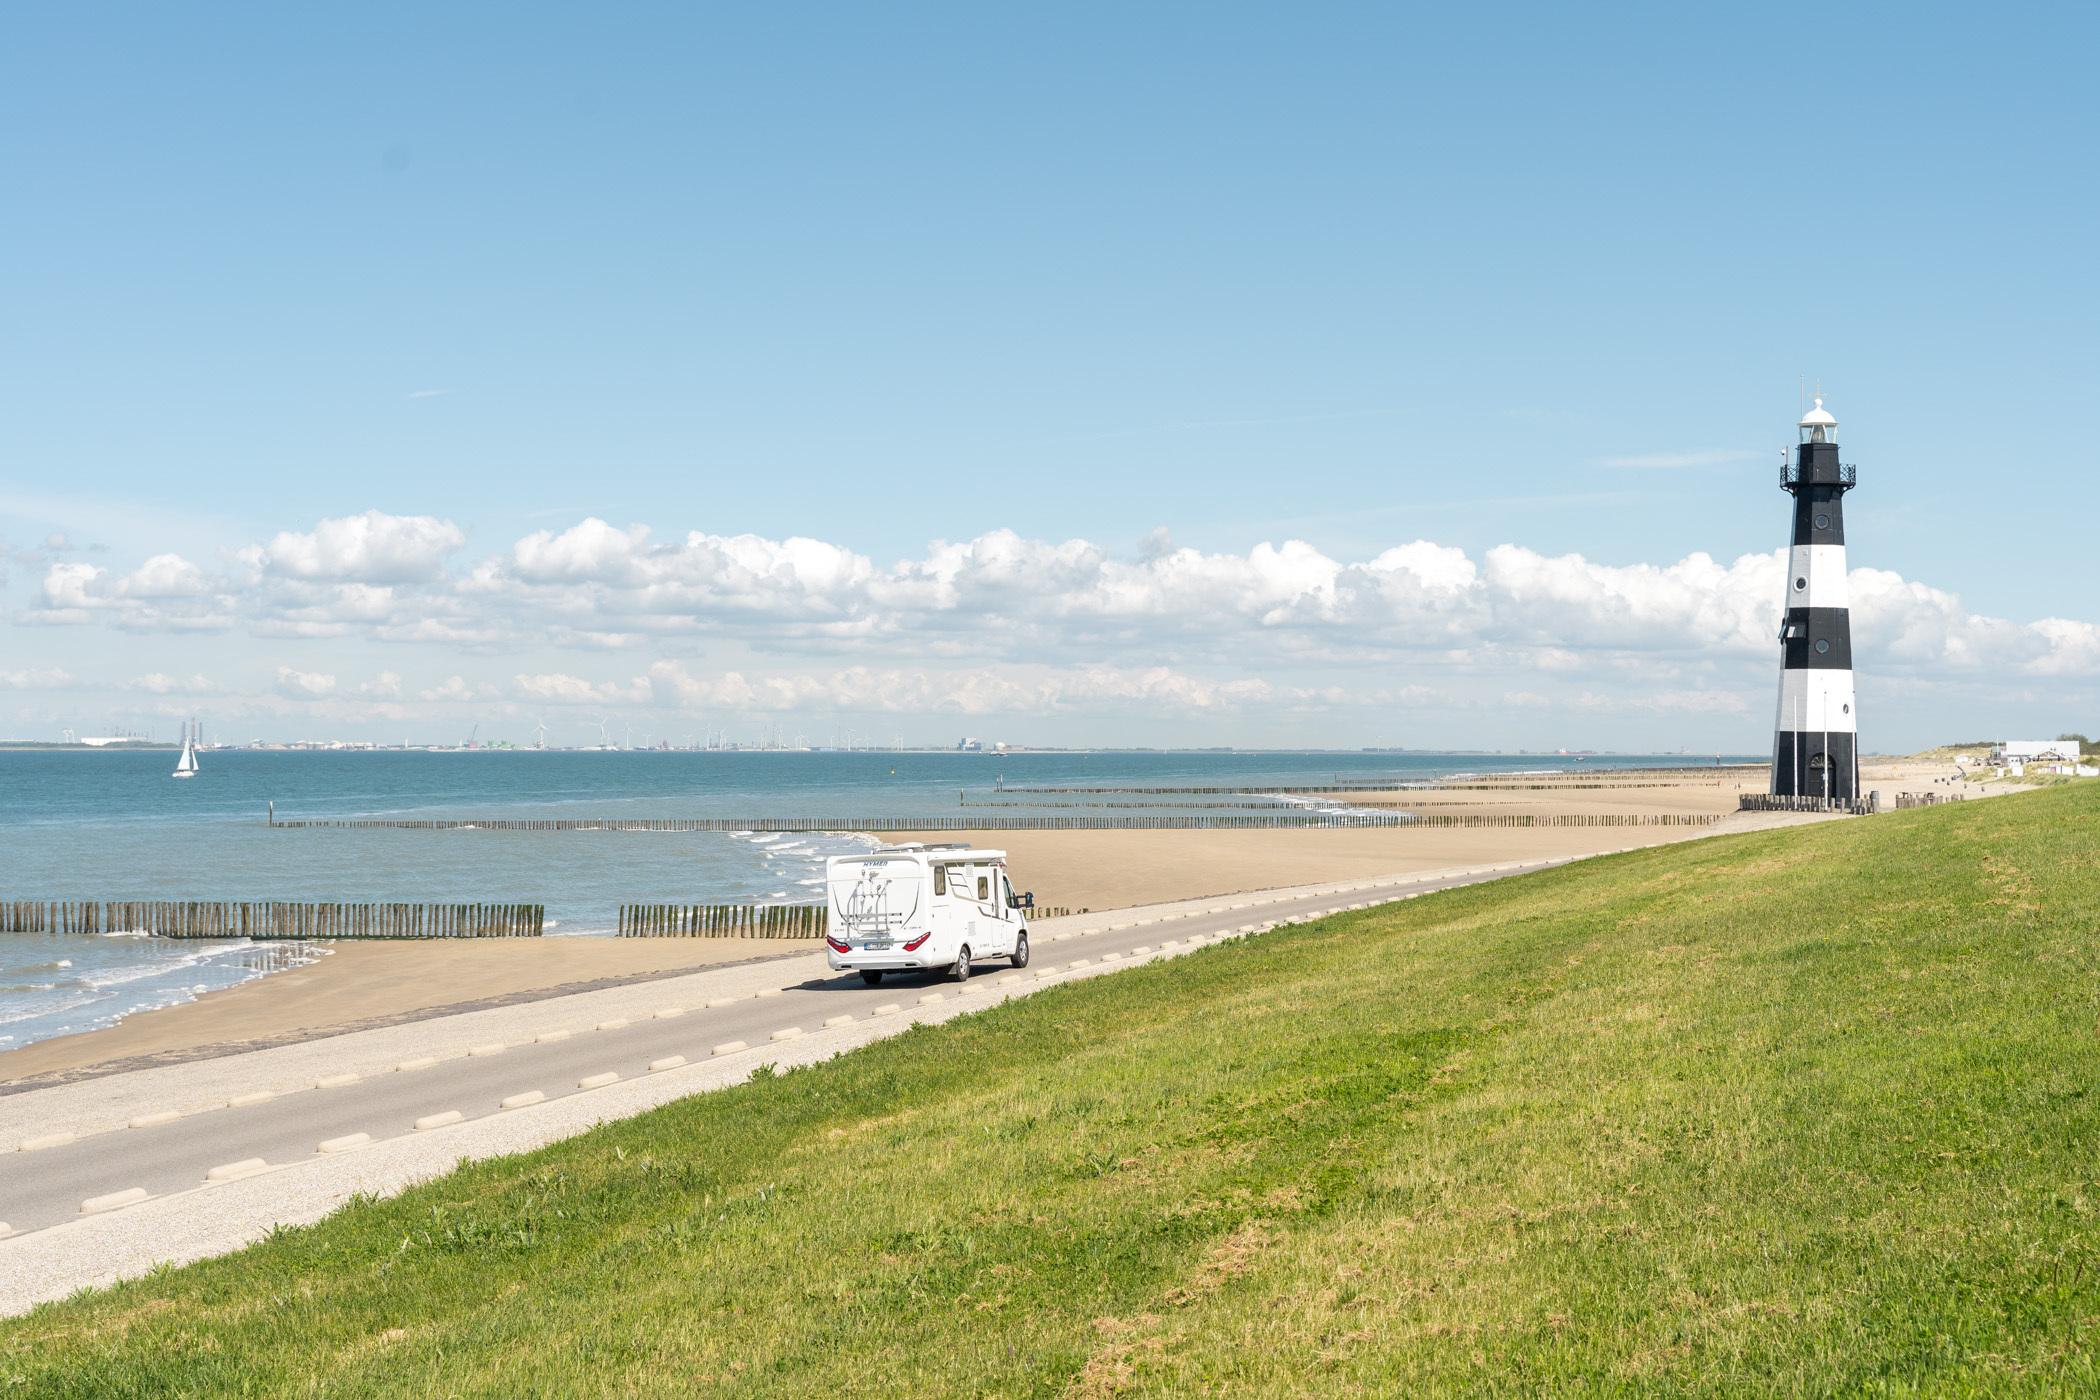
115	1200
888	1008
787	1033
729	1047
234	1171
5	1229
932	999
524	1100
420	1062
719	1002
768	992
250	1100
155	1120
1141	950
670	1013
831	1021
667	1062
598	1081
336	1081
617	1023
439	1120
345	1143
482	1052
550	1037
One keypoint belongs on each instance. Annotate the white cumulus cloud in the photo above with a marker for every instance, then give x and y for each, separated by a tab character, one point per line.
1007	624
370	548
304	685
36	678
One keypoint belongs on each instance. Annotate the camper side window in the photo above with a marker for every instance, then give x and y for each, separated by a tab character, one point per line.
940	879
984	888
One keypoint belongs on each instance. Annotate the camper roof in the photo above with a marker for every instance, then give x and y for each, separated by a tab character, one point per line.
949	851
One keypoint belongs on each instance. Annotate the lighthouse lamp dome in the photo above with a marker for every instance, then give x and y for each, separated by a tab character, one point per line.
1817	425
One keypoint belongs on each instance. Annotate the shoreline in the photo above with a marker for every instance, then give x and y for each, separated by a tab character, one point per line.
362	984
359	983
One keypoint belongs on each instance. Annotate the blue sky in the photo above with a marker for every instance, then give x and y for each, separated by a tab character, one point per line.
1357	277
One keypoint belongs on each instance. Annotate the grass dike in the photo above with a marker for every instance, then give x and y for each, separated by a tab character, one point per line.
1809	1111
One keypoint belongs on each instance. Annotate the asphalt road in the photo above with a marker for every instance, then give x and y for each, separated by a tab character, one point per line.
47	1187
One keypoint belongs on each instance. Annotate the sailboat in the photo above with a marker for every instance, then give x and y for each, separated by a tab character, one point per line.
186	766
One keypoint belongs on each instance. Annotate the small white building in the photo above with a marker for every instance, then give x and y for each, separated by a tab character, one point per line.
2036	751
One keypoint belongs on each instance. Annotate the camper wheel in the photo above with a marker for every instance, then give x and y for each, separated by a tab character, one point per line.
1020	958
870	976
962	964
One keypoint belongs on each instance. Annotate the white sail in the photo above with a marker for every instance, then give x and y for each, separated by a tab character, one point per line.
186	766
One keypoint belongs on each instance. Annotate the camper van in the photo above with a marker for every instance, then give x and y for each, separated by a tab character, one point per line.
914	907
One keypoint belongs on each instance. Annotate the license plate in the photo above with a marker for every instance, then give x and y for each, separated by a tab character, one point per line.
882	946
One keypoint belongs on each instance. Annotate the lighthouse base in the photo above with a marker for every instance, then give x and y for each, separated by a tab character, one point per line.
1815	763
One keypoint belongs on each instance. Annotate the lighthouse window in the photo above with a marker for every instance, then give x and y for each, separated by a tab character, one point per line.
1822	522
1822	645
1799	584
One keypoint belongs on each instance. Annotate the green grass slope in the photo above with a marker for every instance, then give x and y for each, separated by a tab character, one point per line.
1809	1111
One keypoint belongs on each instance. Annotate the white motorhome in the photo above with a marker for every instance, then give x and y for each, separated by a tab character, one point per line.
914	907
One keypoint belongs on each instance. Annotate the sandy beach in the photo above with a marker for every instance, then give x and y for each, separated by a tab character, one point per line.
1112	869
365	984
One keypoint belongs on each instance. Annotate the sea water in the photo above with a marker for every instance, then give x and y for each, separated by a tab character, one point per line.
112	825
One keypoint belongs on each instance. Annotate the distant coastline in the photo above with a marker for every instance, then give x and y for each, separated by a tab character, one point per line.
1566	756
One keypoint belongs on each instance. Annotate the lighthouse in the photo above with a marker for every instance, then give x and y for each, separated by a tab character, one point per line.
1815	750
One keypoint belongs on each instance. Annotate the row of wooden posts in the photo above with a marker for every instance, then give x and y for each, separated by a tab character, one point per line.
1770	802
271	919
1425	785
1310	818
721	920
745	921
281	919
1268	804
870	824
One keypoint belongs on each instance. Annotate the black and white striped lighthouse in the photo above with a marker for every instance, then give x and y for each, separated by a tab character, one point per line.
1815	751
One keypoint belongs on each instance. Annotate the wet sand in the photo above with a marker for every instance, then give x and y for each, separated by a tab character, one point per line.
364	984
